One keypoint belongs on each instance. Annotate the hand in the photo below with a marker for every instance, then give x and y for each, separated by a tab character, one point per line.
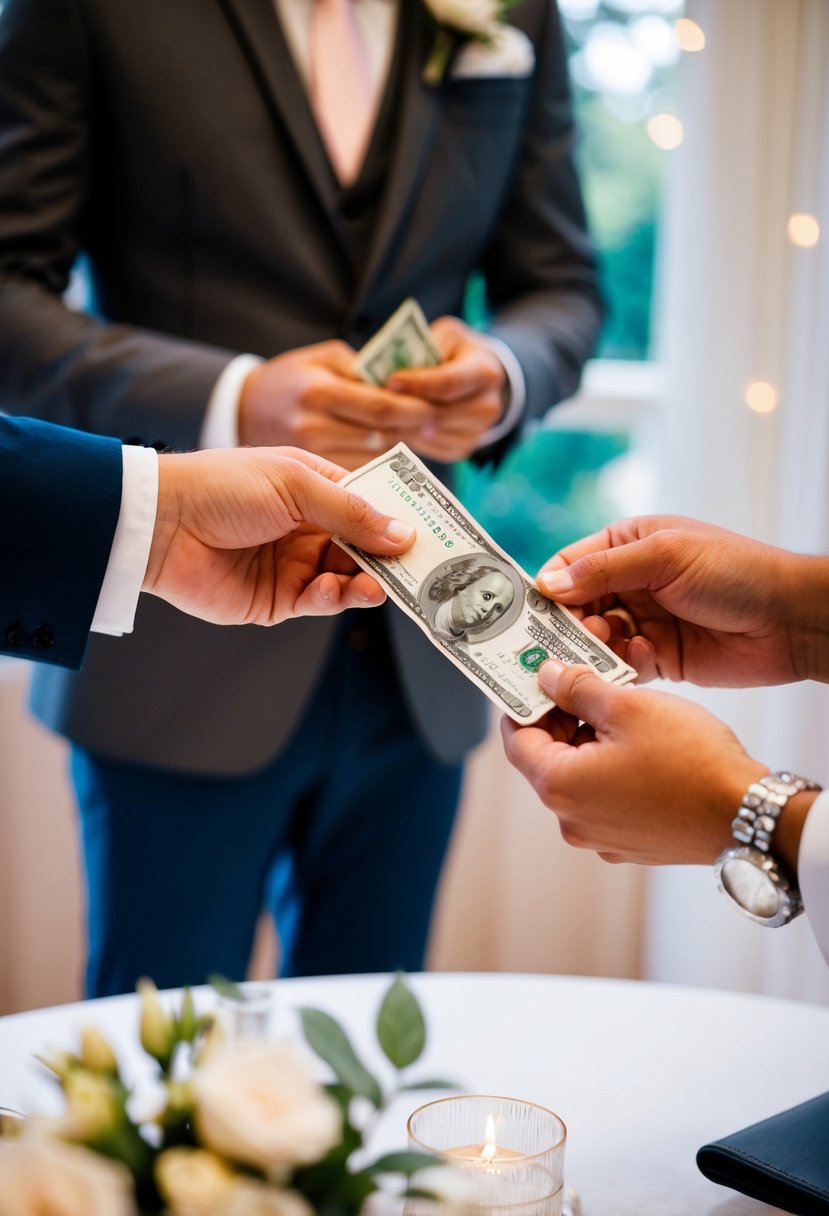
312	398
467	389
707	605
653	779
244	537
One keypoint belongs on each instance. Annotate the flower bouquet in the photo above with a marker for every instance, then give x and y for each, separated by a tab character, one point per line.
234	1128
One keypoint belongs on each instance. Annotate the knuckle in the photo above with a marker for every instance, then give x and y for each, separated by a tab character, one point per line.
361	514
577	679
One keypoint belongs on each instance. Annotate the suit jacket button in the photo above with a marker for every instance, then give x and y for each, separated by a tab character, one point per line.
43	638
16	635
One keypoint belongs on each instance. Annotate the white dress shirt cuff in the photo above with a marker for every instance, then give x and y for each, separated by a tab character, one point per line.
118	598
813	869
220	428
516	389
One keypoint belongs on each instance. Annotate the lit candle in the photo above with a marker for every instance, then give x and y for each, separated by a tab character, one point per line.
488	1155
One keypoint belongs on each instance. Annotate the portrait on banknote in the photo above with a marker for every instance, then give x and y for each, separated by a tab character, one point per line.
475	597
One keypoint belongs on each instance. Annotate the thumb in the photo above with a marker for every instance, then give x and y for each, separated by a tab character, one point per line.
579	691
335	509
632	567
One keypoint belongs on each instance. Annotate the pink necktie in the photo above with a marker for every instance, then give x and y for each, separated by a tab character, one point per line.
340	85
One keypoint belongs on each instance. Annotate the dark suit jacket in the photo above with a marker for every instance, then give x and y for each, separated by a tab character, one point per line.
173	143
60	494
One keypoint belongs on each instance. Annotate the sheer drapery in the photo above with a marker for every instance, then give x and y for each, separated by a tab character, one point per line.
741	303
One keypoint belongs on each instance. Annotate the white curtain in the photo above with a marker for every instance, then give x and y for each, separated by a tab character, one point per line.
741	303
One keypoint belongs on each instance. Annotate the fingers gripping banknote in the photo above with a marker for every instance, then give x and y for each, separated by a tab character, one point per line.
481	609
404	341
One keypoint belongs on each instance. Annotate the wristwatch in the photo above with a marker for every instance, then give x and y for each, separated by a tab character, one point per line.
748	873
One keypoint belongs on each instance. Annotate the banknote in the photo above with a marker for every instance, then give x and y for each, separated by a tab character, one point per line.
404	341
470	598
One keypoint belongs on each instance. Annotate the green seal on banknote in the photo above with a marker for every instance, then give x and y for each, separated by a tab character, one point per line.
532	658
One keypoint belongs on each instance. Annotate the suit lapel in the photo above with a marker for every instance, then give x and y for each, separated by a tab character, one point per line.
260	33
419	110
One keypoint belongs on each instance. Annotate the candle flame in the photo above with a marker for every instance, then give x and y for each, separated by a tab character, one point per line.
490	1148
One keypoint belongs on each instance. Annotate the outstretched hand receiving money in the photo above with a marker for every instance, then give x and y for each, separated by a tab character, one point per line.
474	603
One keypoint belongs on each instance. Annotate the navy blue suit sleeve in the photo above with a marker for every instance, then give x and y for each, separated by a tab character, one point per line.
60	496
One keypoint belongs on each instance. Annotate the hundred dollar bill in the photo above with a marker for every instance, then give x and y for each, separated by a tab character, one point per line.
470	598
404	341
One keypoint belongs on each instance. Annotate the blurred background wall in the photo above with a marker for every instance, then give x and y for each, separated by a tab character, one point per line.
705	159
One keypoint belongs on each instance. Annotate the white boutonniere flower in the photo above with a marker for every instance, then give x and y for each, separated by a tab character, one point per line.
481	21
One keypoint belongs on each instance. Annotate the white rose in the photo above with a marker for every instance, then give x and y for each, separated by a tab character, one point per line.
47	1178
192	1181
259	1104
471	16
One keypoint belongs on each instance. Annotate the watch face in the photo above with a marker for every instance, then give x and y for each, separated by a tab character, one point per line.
751	888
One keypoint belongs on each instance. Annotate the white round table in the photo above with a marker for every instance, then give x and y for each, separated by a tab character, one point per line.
642	1074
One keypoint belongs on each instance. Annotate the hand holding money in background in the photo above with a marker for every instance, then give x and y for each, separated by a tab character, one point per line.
313	398
467	388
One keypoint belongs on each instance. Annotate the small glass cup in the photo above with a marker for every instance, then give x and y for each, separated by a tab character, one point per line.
511	1151
248	1019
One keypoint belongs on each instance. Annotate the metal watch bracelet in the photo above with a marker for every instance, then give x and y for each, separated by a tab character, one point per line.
761	806
748	872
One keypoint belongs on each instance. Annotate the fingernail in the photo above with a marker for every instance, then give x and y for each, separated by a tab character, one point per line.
397	531
550	670
555	582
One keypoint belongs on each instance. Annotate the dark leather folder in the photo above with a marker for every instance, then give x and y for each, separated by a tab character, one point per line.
784	1160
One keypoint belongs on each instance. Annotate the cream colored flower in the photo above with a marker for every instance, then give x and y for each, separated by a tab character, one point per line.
507	51
48	1178
250	1198
91	1107
157	1028
192	1181
259	1104
470	16
96	1053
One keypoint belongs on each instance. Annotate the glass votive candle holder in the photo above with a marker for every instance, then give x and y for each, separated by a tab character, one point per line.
249	1018
512	1152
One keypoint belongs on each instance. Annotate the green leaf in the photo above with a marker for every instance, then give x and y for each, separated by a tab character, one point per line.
432	1083
227	988
402	1163
401	1029
331	1043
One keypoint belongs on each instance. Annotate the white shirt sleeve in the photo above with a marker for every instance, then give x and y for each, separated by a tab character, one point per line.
813	870
517	388
118	597
220	428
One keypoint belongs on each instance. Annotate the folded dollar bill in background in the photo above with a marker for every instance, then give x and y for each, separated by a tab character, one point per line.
404	341
481	609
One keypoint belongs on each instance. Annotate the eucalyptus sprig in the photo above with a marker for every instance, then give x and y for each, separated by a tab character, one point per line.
401	1034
